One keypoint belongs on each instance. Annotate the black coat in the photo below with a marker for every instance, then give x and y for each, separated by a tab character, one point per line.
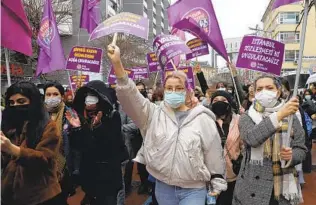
101	147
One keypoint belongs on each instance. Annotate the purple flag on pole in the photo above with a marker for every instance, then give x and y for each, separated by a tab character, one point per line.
16	33
90	14
51	56
167	47
204	19
278	3
261	54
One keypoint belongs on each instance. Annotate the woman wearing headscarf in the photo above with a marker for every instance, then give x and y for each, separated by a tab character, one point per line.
262	178
182	147
96	132
227	125
30	143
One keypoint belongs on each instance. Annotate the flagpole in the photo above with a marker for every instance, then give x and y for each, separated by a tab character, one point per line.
6	53
173	65
298	72
114	39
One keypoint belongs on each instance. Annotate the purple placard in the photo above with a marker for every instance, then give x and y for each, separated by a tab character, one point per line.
124	22
198	48
86	59
78	81
152	61
261	54
188	70
140	73
112	76
169	46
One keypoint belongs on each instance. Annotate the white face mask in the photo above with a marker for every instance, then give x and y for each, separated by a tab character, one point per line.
267	98
308	97
91	100
222	89
52	102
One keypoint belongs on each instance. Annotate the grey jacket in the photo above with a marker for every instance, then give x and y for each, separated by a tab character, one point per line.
183	155
255	183
130	130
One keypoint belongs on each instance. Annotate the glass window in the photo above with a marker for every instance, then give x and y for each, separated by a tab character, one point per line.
289	37
289	18
291	55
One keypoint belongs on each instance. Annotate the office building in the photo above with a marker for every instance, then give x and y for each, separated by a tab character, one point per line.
154	10
282	24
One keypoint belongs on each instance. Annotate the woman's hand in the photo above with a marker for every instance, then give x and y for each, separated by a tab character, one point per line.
242	110
73	119
97	119
114	55
286	153
8	147
288	109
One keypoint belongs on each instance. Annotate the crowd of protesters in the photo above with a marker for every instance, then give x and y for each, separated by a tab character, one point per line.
186	143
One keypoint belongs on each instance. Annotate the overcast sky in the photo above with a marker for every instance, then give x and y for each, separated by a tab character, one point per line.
235	16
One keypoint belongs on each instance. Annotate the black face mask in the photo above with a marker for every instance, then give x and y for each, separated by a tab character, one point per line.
17	114
144	93
221	108
68	103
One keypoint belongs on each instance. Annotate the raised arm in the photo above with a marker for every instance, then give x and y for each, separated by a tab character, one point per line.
138	108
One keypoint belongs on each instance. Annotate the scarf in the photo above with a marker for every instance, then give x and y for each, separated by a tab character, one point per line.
57	115
284	179
233	146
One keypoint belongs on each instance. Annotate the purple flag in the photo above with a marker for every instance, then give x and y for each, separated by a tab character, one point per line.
203	19
16	33
198	48
90	14
51	56
124	22
167	47
278	3
261	54
181	35
140	73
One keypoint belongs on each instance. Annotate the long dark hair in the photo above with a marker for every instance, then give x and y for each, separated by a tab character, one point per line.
38	116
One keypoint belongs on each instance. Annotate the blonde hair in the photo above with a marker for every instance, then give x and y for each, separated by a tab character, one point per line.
179	75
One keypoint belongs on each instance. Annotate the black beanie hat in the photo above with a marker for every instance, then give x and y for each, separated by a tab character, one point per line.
225	94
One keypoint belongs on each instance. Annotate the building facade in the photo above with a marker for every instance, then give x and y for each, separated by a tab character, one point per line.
154	10
282	24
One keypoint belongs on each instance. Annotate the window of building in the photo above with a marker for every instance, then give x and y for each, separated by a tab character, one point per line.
154	31
236	45
291	55
145	14
289	18
145	10
289	37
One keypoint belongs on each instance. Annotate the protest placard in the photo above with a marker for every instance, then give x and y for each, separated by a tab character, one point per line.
198	48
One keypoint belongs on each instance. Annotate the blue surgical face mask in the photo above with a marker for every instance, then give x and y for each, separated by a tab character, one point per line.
175	99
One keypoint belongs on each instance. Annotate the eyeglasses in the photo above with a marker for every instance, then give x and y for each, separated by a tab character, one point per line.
171	89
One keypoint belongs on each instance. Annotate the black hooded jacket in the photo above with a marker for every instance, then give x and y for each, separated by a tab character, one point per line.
101	146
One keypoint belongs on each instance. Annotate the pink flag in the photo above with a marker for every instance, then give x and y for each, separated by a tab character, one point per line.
90	15
278	3
181	35
16	33
51	56
204	21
